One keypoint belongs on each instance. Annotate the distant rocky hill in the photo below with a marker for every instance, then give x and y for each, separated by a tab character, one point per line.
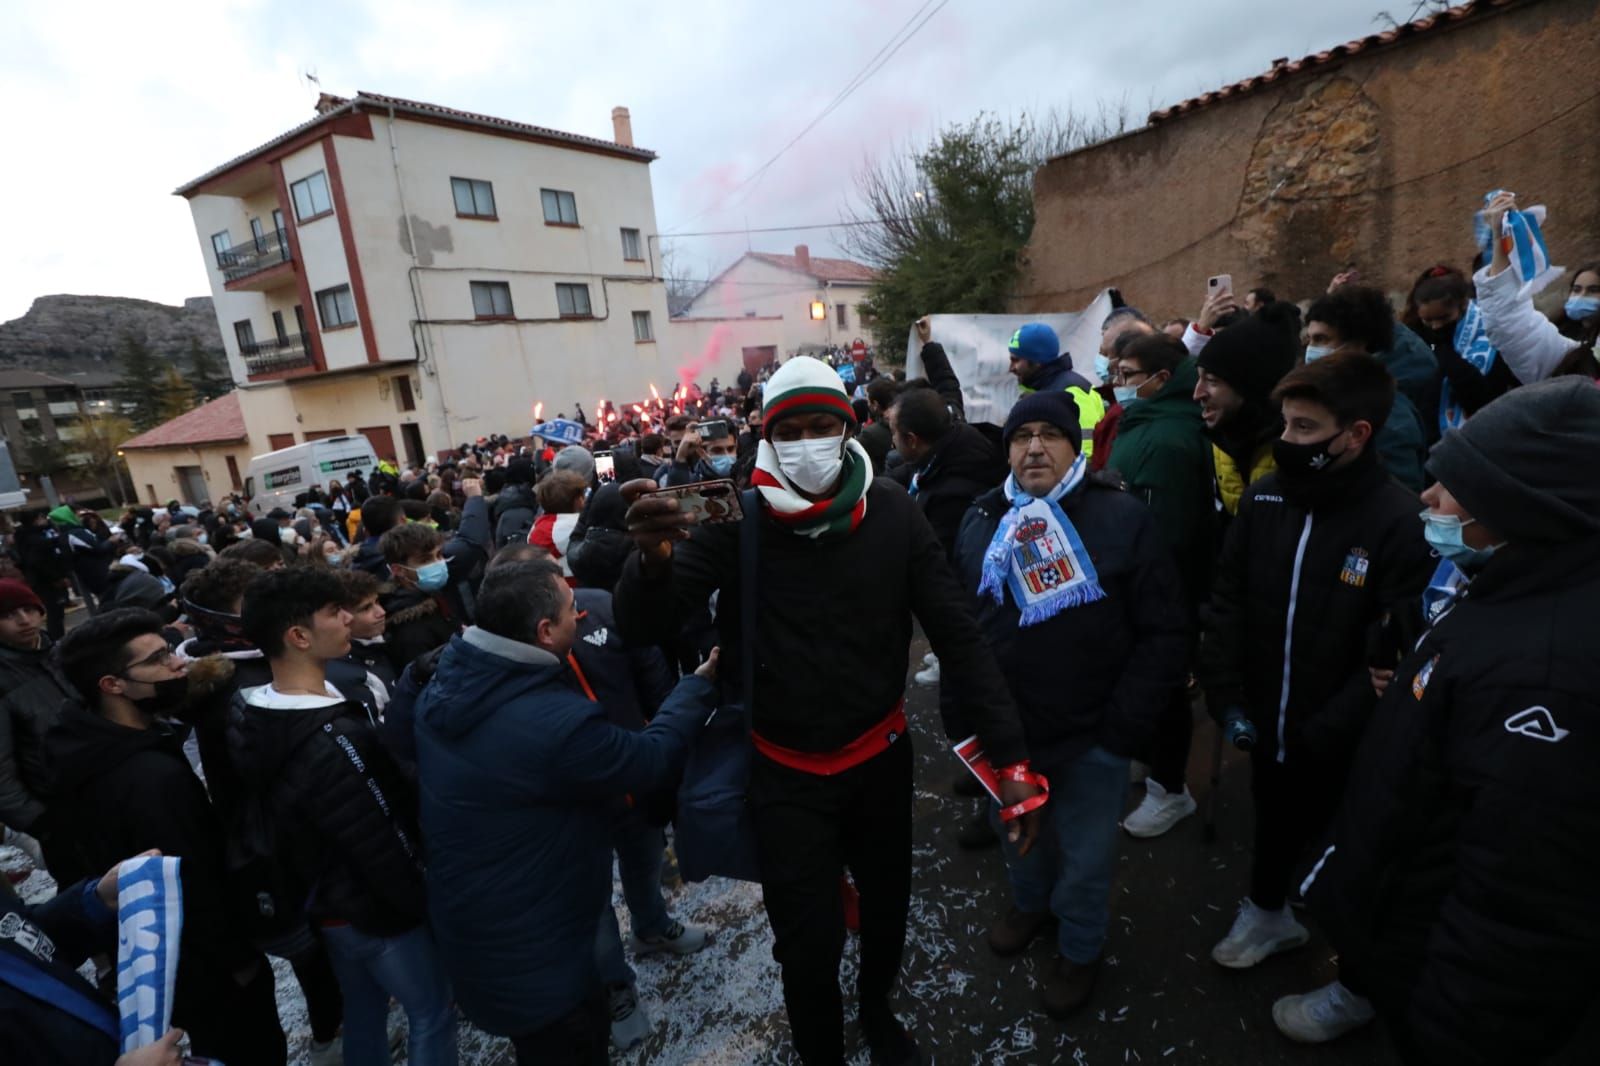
72	334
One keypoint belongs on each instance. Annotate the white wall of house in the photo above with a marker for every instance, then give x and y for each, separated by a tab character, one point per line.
154	471
754	286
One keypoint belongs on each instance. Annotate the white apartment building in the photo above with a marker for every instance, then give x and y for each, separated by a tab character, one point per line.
425	276
767	305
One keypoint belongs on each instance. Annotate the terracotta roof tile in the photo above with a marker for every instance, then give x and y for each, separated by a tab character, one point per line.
1283	68
217	422
822	269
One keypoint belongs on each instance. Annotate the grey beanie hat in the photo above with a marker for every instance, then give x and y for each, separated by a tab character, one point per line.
1525	464
577	459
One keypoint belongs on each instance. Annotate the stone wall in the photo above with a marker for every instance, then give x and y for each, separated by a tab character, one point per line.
1376	160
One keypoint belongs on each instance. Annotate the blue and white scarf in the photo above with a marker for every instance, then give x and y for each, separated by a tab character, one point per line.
149	923
1529	256
1472	342
1449	581
1037	554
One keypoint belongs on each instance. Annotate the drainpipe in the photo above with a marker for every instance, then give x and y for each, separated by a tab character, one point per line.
420	339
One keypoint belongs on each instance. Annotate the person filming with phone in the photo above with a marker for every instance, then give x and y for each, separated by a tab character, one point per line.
830	779
706	453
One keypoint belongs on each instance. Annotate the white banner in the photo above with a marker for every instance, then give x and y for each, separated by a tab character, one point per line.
976	345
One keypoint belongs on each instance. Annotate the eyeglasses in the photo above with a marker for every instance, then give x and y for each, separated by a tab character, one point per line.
1124	377
1048	436
155	658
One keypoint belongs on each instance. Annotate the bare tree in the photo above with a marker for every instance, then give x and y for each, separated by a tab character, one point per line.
683	280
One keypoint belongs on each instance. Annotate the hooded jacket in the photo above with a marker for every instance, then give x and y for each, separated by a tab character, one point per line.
1122	657
1303	580
600	542
338	805
32	689
120	791
1458	885
418	622
517	775
1402	444
1163	454
513	513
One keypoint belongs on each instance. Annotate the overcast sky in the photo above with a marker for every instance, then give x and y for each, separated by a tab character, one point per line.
109	106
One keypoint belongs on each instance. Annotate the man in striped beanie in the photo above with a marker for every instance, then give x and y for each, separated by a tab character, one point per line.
838	556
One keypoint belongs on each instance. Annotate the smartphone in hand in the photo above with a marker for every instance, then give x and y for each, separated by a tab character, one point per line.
715	502
1220	284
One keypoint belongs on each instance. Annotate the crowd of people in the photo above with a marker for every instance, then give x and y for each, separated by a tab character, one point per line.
399	735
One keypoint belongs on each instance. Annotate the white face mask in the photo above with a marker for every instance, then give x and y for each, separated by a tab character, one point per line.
813	465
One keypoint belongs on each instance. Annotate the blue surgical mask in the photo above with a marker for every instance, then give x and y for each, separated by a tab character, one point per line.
432	577
336	558
1579	308
1127	395
1443	533
1102	367
1315	352
721	465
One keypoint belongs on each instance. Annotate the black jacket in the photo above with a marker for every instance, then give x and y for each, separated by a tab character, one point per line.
1335	567
600	543
513	513
964	465
31	691
369	557
44	555
1100	673
834	631
120	791
64	1019
1460	886
345	817
418	622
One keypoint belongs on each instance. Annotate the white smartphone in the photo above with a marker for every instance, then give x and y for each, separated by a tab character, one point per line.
1222	283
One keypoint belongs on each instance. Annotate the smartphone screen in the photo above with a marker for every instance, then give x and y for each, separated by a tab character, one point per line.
605	467
714	501
714	429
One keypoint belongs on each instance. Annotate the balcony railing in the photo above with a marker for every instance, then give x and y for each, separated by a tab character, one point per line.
290	353
254	255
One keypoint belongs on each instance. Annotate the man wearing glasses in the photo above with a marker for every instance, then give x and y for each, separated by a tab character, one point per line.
125	786
1162	452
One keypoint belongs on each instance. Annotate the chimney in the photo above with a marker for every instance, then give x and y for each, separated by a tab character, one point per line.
329	102
621	127
802	258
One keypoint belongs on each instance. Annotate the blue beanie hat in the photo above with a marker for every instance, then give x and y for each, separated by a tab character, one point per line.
1059	409
1035	342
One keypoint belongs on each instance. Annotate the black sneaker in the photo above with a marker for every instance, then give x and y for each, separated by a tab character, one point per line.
887	1039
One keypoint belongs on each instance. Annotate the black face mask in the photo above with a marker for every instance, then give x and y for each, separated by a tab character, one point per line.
169	695
1302	462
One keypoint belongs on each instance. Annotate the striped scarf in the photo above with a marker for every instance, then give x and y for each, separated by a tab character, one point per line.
1037	554
835	517
149	926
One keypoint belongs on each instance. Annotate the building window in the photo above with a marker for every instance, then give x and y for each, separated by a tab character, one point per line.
641	327
474	199
220	243
337	307
404	397
491	299
257	232
560	208
631	248
245	334
279	330
277	220
311	199
573	301
841	315
23	402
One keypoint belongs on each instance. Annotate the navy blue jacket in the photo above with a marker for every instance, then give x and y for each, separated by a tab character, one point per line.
1058	376
1096	674
517	775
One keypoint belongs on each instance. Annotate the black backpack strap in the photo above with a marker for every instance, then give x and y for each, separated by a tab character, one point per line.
749	545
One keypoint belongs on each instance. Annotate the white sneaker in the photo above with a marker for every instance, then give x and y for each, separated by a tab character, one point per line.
930	676
679	939
1326	1014
1159	811
929	659
1256	934
630	1022
328	1054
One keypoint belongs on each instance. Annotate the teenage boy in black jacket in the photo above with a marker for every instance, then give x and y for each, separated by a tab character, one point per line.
1320	551
342	816
126	786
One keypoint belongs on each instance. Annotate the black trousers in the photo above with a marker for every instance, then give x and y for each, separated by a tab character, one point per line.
225	1020
1169	748
324	1002
1294	805
579	1039
809	829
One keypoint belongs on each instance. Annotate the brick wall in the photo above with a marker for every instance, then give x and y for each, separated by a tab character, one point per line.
1377	159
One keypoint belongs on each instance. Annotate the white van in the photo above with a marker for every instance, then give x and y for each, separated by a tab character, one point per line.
275	479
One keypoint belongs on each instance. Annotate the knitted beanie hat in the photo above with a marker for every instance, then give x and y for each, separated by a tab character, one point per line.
805	386
1250	356
14	594
1521	464
1059	409
577	459
1036	342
